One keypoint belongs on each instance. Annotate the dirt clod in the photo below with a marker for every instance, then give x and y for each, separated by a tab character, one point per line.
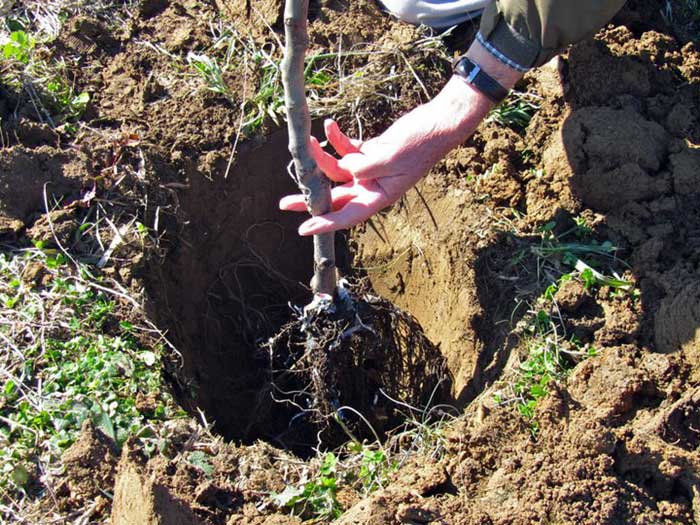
90	468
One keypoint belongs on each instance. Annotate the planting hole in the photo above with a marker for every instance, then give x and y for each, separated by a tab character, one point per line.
226	287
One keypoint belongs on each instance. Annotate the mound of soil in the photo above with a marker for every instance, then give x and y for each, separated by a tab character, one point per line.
90	465
615	140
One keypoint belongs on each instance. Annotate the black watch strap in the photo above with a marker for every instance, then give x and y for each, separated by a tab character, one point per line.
474	75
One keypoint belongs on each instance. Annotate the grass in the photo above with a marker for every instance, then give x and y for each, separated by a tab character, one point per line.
46	83
515	111
549	354
71	356
333	87
260	94
27	33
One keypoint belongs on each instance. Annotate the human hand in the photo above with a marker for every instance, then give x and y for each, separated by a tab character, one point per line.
374	174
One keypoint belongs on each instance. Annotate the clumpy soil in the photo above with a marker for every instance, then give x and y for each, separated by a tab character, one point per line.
615	140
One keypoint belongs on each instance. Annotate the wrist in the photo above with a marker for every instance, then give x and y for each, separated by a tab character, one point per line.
505	75
461	108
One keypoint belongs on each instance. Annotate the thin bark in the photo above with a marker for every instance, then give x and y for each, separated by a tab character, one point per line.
312	183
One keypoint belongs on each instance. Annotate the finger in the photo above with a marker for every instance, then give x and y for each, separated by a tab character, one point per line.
340	195
328	164
293	203
352	213
339	140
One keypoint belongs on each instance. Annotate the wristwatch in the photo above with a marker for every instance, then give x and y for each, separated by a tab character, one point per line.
474	75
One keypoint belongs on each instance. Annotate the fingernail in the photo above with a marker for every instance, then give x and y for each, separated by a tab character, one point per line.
305	228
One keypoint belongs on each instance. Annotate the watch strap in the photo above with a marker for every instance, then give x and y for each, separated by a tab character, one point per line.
475	76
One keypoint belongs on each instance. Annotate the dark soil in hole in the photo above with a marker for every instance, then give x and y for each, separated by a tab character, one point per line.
225	286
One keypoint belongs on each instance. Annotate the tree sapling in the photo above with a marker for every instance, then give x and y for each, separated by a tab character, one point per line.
311	181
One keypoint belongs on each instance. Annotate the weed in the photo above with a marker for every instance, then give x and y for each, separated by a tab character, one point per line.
268	100
200	460
591	278
582	229
68	361
65	100
374	466
366	467
210	71
330	89
549	360
19	47
44	82
316	497
550	356
230	50
515	111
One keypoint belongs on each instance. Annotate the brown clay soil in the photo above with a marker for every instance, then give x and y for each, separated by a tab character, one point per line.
616	139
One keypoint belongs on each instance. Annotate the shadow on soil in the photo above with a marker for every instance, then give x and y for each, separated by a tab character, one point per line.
225	286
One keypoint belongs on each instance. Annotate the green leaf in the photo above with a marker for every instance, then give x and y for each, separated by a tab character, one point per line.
538	391
10	302
588	278
20	475
82	99
329	463
200	460
10	388
288	497
19	46
101	420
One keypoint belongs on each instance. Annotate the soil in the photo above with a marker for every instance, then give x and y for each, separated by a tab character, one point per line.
616	140
90	465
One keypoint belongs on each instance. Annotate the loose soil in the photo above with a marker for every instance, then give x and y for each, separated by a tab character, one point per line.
616	140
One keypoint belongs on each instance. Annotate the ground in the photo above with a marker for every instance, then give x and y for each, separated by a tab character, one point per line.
551	260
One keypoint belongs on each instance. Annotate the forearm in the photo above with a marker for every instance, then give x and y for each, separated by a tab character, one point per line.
454	114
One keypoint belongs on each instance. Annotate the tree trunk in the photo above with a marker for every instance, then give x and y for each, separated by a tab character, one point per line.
312	183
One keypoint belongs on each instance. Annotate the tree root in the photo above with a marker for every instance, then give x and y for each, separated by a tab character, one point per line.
347	368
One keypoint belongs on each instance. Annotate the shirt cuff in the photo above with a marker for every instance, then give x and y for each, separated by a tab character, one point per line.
491	48
504	42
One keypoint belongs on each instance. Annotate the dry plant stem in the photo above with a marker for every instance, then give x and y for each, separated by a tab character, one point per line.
312	183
